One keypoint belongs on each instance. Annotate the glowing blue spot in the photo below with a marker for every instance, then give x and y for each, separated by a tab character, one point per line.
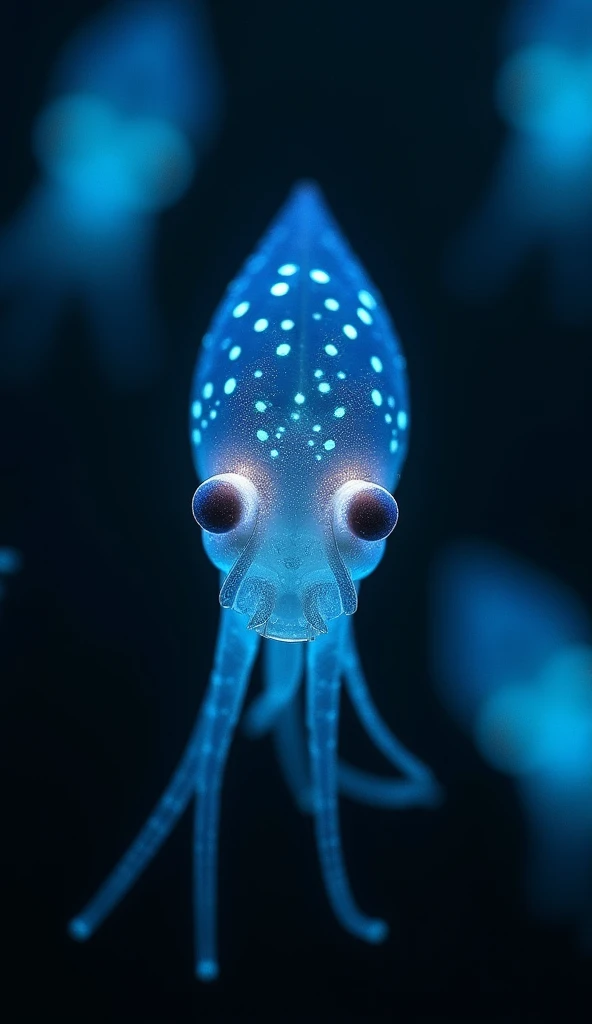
364	316
229	386
278	435
376	364
311	444
282	350
350	331
234	353
401	420
260	406
287	325
330	350
288	269
196	435
281	288
262	435
367	300
213	414
332	304
324	388
388	418
318	373
329	446
258	373
316	316
282	430
341	375
208	390
196	410
339	412
320	277
204	424
260	325
376	397
391	401
299	398
317	428
274	453
295	416
241	309
394	445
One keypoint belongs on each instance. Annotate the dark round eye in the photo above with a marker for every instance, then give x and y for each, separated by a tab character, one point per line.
372	513
218	506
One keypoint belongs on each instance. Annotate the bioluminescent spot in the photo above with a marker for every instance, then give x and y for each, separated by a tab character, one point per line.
366	299
332	304
287	325
264	512
258	373
131	105
319	373
350	331
364	316
330	350
281	288
512	657
234	353
241	309
196	410
320	276
402	419
288	269
282	350
230	386
376	397
260	325
376	364
538	199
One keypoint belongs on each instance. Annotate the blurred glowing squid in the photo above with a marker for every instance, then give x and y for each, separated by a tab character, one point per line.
133	101
513	662
541	192
10	564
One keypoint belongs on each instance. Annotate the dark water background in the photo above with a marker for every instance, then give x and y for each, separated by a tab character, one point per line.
107	635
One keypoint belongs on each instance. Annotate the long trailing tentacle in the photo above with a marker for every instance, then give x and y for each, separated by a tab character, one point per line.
323	691
221	709
160	823
420	779
282	673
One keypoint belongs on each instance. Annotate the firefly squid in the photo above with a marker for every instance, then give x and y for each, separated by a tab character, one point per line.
299	421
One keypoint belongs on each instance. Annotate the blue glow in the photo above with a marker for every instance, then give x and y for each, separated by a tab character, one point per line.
132	103
513	660
282	350
278	510
539	195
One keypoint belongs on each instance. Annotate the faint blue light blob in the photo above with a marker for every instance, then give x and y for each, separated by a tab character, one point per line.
10	561
241	309
287	269
320	276
282	350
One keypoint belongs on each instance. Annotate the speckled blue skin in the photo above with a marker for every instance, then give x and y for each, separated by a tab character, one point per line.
299	395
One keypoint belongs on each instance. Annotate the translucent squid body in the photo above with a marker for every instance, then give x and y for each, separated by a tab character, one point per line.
299	423
513	660
132	102
540	195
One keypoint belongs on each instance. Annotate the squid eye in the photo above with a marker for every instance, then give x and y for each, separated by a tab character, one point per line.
367	510
224	502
